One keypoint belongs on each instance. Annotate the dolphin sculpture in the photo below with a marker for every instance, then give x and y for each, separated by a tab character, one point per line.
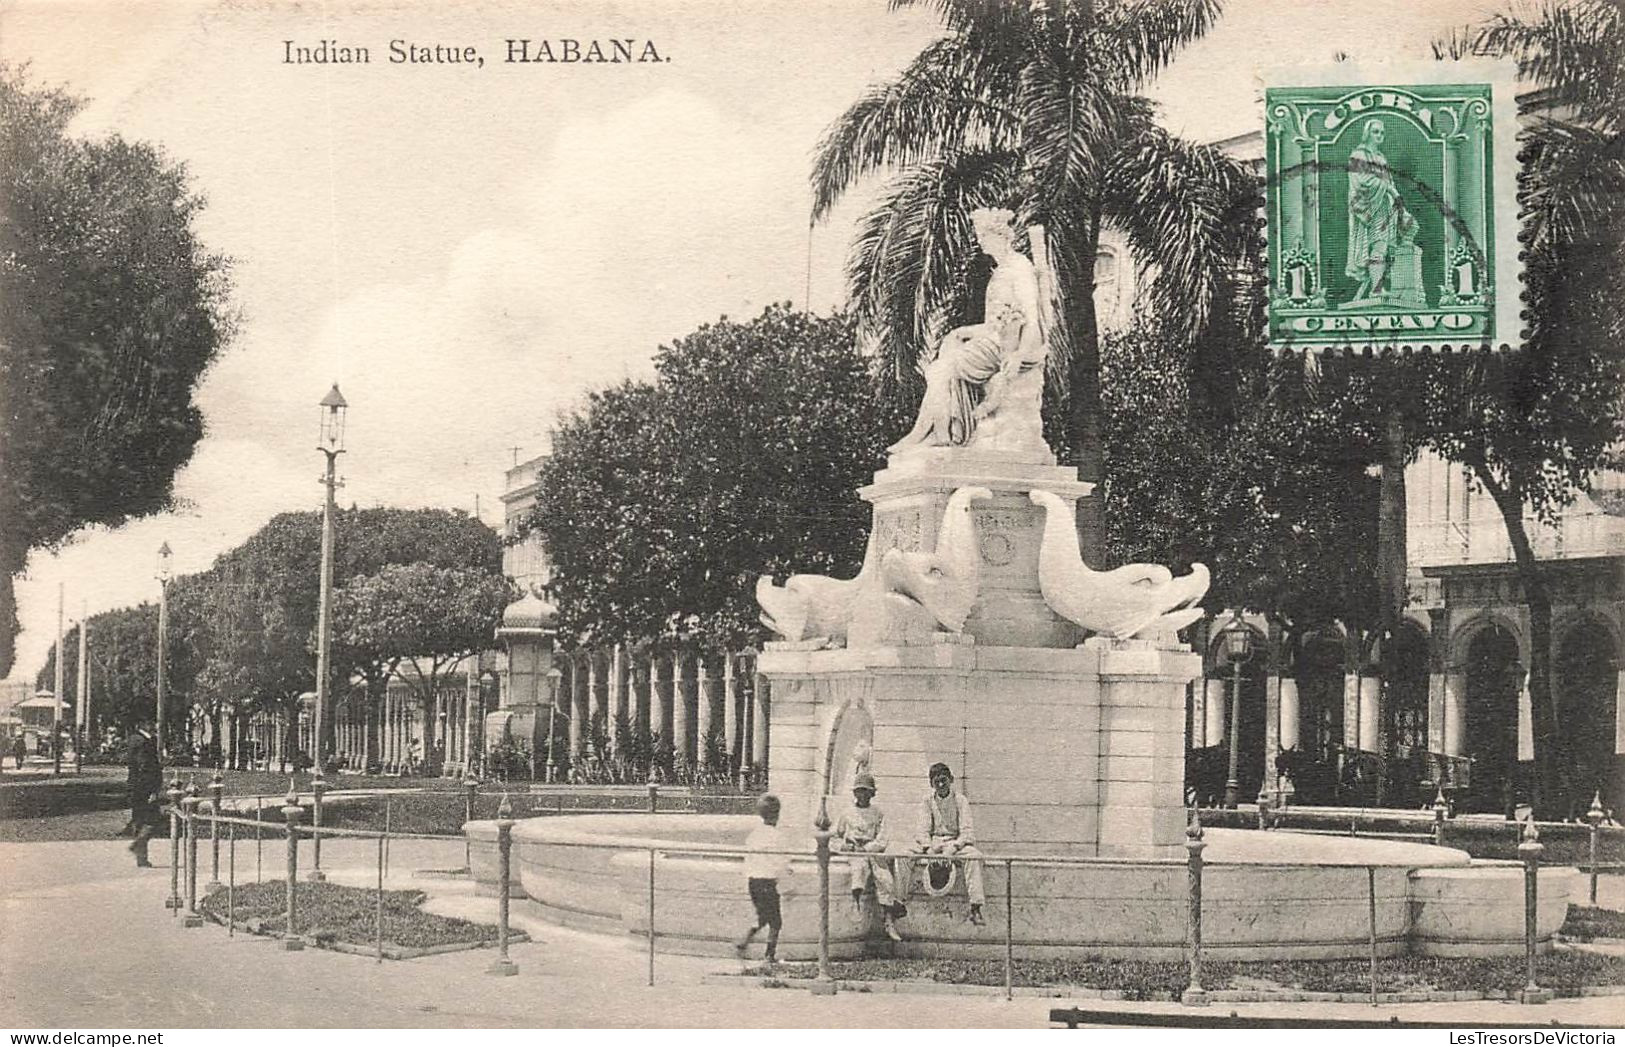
1131	600
944	582
812	606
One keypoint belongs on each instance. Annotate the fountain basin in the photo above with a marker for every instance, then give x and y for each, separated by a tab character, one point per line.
1266	895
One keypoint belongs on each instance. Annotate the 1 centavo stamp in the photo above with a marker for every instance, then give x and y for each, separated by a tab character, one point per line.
1391	209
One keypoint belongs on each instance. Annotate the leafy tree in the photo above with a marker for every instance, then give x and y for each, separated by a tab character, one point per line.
1285	527
257	605
123	660
423	616
662	502
113	311
1034	106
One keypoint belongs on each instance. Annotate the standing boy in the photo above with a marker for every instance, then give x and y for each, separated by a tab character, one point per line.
765	866
862	832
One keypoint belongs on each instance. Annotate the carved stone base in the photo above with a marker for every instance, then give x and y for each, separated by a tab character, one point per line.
1061	751
909	498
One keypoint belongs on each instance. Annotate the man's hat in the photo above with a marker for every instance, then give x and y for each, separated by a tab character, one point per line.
864	781
936	769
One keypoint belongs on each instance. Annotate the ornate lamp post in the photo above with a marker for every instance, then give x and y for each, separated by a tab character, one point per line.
1238	647
163	577
331	444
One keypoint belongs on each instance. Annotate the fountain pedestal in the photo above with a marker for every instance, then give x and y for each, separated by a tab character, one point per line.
1060	751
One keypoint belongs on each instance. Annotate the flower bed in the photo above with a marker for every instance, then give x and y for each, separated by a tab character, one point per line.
1586	922
1566	972
331	913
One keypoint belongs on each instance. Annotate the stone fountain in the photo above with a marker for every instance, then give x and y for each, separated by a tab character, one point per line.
975	635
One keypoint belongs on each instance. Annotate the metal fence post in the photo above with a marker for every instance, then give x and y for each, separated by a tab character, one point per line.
231	885
1009	930
651	912
471	787
1529	850
173	902
1595	815
1371	912
291	811
378	903
388	808
318	788
189	810
217	792
1194	995
823	984
502	965
259	840
654	792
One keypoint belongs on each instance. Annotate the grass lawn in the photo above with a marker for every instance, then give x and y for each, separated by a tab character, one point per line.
1586	922
1138	980
334	913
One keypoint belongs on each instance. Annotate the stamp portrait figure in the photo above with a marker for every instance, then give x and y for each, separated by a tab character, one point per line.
1375	212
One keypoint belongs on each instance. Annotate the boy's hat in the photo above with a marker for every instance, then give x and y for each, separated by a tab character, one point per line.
938	769
864	781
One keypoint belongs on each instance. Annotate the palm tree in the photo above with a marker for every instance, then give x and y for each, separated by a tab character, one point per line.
1034	106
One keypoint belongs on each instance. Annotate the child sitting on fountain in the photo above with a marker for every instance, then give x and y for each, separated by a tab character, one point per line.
861	831
765	866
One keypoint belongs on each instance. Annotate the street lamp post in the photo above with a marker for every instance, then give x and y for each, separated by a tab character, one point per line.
1238	647
163	576
331	444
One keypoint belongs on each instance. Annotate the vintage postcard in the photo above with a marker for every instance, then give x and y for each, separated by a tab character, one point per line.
775	518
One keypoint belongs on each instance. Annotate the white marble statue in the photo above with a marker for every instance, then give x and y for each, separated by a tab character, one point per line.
985	384
812	606
945	582
1134	600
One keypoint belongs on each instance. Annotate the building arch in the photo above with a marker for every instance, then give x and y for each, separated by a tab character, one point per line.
1585	675
1490	658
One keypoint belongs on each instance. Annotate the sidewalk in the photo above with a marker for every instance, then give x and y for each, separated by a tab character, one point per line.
87	943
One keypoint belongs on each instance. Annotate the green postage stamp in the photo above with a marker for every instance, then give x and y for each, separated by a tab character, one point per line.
1392	208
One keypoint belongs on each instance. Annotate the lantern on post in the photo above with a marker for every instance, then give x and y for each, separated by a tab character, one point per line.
1237	638
331	444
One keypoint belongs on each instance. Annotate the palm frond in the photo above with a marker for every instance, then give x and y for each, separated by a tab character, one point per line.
1068	123
1575	185
908	262
1183	208
1577	49
1140	38
948	97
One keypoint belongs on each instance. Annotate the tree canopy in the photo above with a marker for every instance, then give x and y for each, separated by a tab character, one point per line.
114	309
662	501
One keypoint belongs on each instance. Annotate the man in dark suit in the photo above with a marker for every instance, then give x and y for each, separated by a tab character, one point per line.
146	786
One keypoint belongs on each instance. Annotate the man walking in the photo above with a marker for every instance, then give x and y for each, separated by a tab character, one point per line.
146	782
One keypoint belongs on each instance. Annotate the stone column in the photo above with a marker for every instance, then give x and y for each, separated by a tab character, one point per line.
758	726
1290	736
702	709
1216	703
1526	723
1371	713
579	684
730	709
1352	727
682	722
639	683
617	694
595	695
657	704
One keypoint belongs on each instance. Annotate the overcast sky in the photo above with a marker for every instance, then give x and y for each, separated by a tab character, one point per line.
467	250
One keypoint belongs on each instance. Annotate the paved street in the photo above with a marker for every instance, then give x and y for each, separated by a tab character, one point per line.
89	944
